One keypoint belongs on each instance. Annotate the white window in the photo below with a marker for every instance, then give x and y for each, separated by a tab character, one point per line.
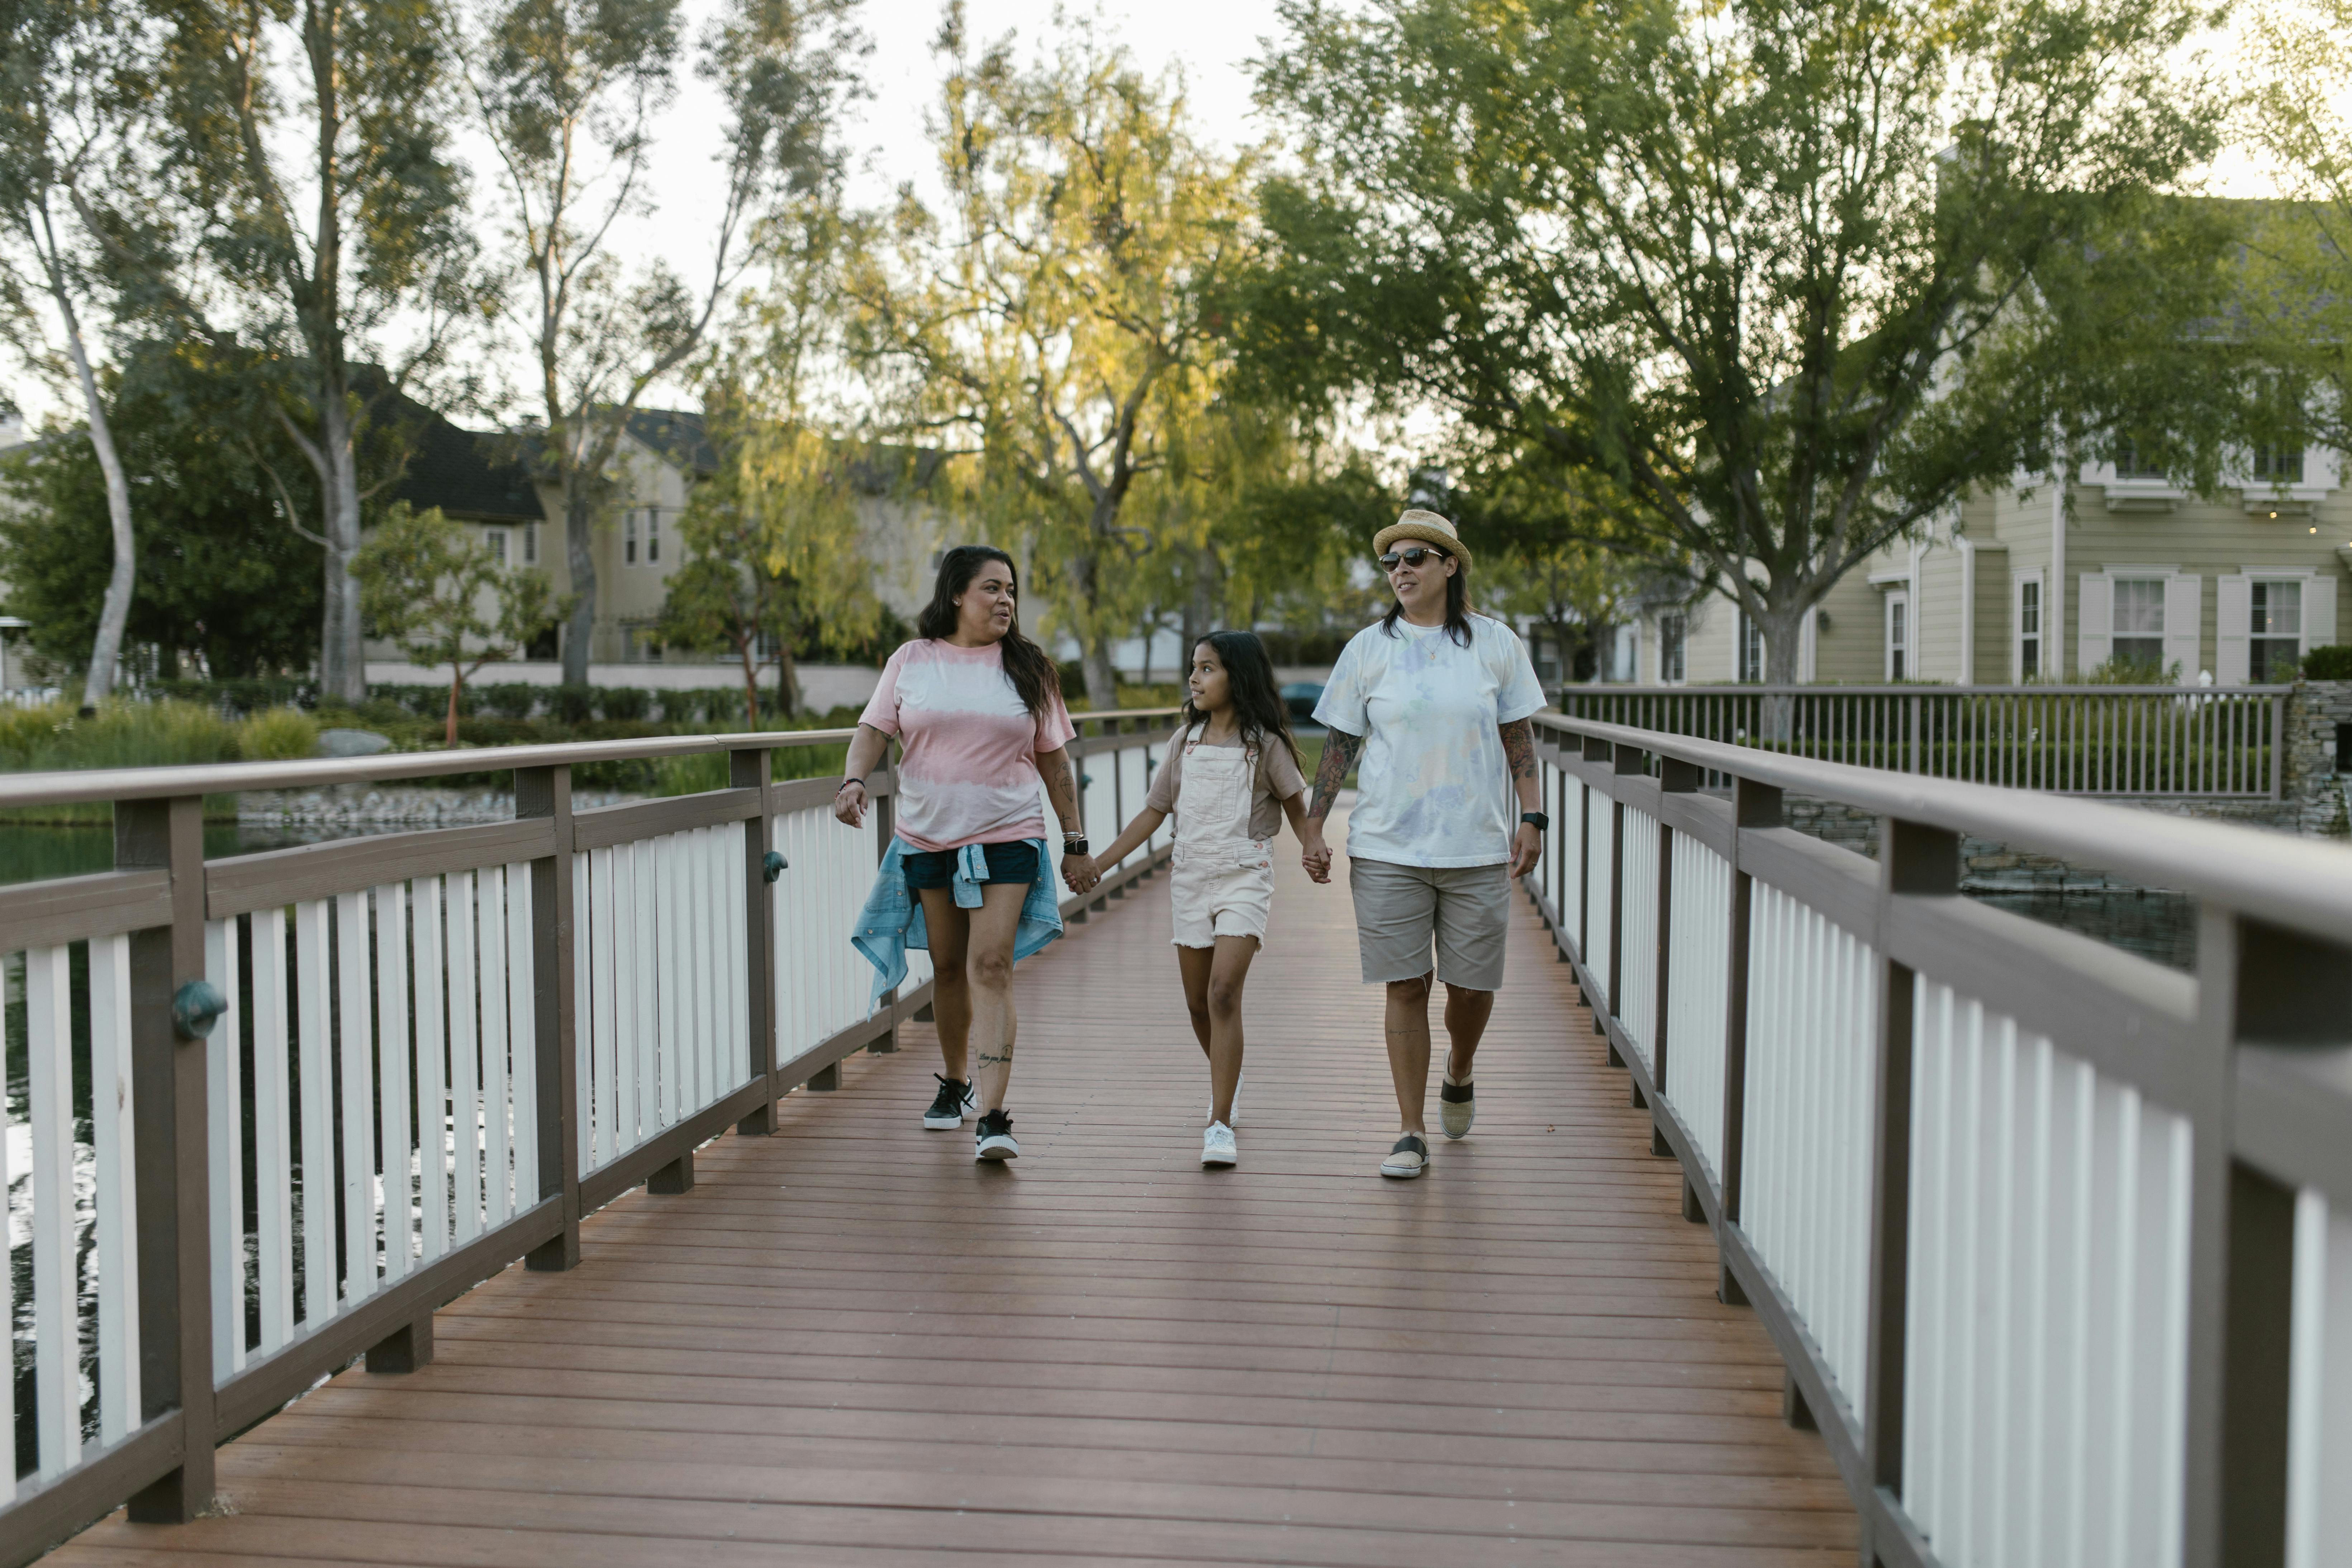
2138	625
1898	636
653	536
2029	628
1670	637
629	538
2278	465
496	538
2275	645
531	545
1751	650
1624	652
2134	461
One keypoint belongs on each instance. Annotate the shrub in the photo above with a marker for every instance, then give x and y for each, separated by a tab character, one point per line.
691	774
626	702
122	734
277	735
572	704
510	699
2332	662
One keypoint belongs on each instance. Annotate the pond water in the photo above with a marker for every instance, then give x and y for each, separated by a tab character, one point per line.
2160	926
34	852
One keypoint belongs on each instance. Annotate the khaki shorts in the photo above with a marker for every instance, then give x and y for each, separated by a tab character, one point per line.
1227	890
1399	909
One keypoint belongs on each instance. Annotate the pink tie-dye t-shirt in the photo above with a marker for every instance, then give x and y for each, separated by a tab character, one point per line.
968	773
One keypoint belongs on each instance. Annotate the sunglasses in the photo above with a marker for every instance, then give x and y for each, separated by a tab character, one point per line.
1412	557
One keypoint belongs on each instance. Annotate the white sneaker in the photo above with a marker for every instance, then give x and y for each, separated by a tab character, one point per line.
1457	1106
1210	1116
1217	1147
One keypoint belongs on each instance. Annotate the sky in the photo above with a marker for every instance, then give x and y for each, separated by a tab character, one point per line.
1212	41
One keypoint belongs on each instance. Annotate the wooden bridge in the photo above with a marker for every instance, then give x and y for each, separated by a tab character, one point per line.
1867	1223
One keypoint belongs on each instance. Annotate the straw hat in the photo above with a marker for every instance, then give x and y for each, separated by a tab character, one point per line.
1425	526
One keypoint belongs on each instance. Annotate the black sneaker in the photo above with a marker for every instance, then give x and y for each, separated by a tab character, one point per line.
992	1139
950	1105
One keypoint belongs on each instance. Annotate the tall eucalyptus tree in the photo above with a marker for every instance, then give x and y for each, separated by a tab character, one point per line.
309	138
566	91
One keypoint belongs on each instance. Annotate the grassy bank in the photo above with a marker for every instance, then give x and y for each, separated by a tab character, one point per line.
170	732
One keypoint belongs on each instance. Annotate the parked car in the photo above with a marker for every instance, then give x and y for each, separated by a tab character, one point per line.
1300	697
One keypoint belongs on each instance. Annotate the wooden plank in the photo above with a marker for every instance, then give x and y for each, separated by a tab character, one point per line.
851	1342
68	909
242	883
607	826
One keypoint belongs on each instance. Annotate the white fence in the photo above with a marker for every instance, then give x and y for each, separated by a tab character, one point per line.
422	1057
2054	1239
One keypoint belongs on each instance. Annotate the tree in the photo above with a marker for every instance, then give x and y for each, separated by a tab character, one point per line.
333	216
1551	544
565	90
2298	292
71	80
441	594
1795	276
1058	321
220	575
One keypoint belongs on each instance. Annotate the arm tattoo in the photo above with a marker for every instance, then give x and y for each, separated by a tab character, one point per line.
1340	752
1061	785
1520	747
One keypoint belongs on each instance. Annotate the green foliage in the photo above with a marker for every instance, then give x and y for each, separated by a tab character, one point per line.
2331	662
1737	257
277	734
626	702
441	594
2298	297
219	571
510	699
572	704
1062	316
121	734
2121	671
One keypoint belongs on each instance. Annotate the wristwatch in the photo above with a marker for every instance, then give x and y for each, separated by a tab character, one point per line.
1074	845
1543	823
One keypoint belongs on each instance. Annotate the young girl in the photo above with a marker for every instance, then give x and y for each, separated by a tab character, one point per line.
1231	774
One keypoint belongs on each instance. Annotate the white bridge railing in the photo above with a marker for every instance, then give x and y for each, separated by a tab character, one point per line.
2214	742
433	1053
2057	1242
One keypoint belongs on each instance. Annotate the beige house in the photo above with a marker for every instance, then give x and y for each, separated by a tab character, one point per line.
484	480
2015	585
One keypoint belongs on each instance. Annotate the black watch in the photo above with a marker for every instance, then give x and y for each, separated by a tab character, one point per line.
1074	847
1543	823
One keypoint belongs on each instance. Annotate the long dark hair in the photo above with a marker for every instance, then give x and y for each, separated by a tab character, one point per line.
1025	664
1457	598
1259	710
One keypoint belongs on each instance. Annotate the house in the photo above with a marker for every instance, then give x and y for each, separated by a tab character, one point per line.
2035	583
485	480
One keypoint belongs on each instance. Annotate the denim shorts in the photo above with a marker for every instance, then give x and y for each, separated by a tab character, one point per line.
1015	862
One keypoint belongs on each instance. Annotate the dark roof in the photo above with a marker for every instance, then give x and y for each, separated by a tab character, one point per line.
480	476
680	437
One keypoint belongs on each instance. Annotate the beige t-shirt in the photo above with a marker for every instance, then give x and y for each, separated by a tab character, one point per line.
1277	780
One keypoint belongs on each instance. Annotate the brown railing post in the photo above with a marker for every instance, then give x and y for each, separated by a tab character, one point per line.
886	823
547	792
1913	859
2262	985
171	1161
751	769
1625	760
1753	805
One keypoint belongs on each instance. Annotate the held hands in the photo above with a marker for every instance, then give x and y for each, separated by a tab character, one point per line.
1079	873
1526	849
1314	854
849	803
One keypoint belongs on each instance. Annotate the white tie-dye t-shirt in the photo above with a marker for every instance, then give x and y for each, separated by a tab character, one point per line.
1433	787
969	772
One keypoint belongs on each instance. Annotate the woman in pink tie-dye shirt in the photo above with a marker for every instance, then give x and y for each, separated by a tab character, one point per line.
977	711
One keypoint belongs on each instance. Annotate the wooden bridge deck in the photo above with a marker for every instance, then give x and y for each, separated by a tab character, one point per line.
851	1344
